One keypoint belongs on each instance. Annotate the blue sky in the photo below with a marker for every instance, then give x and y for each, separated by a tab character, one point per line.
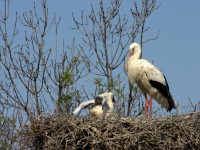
175	52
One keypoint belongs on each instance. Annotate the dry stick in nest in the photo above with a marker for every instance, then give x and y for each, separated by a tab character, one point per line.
69	132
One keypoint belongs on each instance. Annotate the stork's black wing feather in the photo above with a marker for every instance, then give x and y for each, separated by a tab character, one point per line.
164	90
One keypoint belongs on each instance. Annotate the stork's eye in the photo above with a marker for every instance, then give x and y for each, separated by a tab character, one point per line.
133	49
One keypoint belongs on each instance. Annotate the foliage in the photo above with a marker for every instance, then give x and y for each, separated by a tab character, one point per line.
66	79
7	132
65	102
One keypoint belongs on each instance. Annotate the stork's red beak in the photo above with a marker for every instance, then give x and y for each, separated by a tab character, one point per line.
131	54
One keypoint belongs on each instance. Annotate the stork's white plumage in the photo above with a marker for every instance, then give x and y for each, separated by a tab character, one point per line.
149	78
83	105
102	105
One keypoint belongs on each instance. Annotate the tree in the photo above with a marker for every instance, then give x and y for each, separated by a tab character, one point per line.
107	34
138	29
33	78
8	135
38	77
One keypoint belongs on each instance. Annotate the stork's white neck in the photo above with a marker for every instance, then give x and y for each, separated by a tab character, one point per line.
135	54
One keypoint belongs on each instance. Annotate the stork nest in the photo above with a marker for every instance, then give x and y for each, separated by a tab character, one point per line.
68	132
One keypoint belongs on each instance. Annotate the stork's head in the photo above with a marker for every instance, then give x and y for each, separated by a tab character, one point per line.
100	99
108	100
135	50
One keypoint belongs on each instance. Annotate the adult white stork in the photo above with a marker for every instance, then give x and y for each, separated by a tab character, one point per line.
150	80
101	106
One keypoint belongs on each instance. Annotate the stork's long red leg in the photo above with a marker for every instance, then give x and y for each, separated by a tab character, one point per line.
150	103
147	108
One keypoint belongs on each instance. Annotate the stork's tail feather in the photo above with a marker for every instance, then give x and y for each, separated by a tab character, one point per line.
171	103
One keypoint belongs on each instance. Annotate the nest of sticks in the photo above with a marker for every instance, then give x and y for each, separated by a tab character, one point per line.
68	132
